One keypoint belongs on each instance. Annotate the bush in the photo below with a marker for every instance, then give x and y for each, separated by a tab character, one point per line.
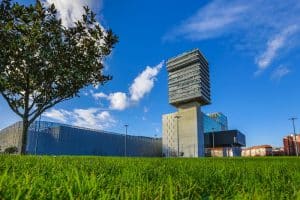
11	150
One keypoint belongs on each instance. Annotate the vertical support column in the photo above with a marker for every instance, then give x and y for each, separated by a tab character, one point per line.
200	133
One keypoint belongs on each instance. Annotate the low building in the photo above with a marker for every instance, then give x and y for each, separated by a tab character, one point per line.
213	122
278	151
229	138
46	138
224	143
223	152
291	144
262	150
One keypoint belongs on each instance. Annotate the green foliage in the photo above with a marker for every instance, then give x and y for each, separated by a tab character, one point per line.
141	178
43	63
11	150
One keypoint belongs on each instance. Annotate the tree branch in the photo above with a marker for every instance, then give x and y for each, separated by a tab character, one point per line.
15	109
38	112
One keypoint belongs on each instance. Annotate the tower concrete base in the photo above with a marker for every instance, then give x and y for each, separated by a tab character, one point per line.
183	132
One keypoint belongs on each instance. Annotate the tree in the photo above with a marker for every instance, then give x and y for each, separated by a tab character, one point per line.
43	63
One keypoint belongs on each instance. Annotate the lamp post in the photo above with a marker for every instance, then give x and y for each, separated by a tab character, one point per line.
213	141
177	120
125	149
213	134
295	135
233	145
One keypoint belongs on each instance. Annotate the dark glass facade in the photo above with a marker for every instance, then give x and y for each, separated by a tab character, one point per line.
230	138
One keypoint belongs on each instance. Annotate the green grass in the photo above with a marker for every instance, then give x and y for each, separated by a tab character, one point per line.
27	177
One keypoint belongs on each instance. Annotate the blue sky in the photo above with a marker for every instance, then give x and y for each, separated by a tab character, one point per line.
253	49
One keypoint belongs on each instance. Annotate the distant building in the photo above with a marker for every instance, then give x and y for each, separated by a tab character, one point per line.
230	138
189	89
215	122
289	144
216	137
224	143
262	150
46	138
188	76
278	151
223	152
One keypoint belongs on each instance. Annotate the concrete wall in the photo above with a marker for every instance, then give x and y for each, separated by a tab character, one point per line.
11	136
189	127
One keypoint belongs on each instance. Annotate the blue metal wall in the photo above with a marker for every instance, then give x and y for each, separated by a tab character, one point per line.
56	139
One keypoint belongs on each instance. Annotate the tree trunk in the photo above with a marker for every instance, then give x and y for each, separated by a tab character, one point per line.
24	136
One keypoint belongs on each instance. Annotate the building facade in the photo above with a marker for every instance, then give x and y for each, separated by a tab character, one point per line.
227	143
291	144
46	138
229	138
11	136
223	152
255	151
188	79
183	133
188	89
214	122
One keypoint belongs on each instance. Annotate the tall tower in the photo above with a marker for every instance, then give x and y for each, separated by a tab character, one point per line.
189	89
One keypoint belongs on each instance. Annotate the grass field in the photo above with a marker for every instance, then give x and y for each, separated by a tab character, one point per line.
141	178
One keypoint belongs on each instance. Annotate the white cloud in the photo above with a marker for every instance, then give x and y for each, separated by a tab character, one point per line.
212	20
99	95
273	47
280	72
71	11
141	86
59	115
144	82
90	118
258	27
118	101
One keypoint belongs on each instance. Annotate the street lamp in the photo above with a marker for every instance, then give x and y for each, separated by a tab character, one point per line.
125	149
177	120
213	141
296	145
213	134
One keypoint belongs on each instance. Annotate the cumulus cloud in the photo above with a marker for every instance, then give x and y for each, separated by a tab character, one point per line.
141	86
144	82
71	11
280	72
59	115
259	27
90	118
118	101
